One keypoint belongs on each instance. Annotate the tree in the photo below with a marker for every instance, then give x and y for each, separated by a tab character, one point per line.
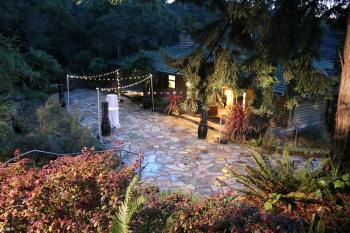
341	141
83	34
281	32
259	36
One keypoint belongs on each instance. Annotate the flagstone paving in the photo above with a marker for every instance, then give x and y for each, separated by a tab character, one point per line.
174	157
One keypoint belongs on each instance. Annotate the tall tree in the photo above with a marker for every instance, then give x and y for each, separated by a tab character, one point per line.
341	142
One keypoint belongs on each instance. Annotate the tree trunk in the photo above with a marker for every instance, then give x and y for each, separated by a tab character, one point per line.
341	139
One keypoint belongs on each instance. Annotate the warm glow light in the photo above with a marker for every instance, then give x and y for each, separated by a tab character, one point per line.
172	81
229	97
188	84
244	99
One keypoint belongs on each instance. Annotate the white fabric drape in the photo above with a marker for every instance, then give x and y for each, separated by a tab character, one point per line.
113	110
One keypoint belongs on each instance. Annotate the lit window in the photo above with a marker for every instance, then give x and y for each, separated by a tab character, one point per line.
172	81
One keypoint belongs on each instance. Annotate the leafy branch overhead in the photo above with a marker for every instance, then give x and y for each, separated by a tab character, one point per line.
260	37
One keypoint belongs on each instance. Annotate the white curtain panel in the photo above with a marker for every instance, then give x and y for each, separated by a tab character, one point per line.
113	110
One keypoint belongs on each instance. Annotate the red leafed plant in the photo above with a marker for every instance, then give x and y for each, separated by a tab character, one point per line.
172	103
70	194
237	126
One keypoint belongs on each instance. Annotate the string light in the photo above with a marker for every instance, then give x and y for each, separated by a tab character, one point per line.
103	77
166	93
93	77
124	87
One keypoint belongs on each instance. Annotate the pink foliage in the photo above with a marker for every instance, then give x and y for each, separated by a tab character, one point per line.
70	194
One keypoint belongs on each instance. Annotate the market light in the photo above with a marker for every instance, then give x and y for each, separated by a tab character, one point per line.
229	97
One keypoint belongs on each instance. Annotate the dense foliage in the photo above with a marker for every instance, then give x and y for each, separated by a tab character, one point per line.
81	34
70	194
299	188
218	213
261	36
50	129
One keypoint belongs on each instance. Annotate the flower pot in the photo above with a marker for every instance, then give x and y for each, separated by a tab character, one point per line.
202	130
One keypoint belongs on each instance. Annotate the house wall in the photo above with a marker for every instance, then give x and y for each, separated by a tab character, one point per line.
282	114
161	84
305	114
308	113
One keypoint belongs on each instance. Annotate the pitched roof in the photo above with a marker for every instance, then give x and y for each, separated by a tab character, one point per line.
182	49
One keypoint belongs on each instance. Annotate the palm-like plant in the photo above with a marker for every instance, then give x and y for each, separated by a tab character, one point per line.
237	126
127	209
172	106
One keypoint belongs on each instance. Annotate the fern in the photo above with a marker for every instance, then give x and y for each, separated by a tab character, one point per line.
127	209
282	177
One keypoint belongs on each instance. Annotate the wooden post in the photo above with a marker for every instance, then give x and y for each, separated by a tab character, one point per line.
98	114
152	93
68	102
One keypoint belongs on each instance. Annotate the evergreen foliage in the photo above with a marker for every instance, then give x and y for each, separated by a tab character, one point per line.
76	33
260	35
14	69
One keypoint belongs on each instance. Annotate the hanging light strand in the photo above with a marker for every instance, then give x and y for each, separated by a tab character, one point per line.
94	77
125	87
104	77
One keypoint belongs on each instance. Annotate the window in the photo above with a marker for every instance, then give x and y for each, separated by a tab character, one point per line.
172	81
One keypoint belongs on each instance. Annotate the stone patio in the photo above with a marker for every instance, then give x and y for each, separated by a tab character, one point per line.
174	157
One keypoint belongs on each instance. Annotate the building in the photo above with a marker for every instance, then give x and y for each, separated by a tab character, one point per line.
308	113
168	79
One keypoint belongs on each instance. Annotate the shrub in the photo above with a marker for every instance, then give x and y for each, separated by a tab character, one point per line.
6	109
70	194
47	67
156	211
237	126
305	189
63	130
170	105
259	123
14	68
218	213
6	135
35	95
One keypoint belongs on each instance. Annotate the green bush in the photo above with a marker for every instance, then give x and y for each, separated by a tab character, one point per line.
46	66
6	109
78	137
64	130
35	95
285	184
6	135
315	137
